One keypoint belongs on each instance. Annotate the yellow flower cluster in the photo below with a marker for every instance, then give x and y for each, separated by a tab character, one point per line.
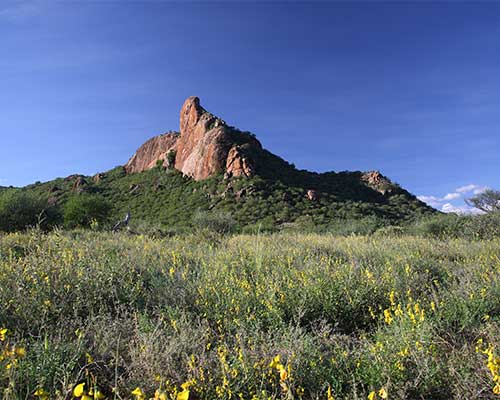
92	394
42	394
9	354
160	394
382	393
413	311
282	371
493	363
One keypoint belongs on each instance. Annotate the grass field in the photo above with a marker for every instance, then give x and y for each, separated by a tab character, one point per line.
285	316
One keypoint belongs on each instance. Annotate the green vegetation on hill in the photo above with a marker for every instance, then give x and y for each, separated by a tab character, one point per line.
274	199
282	316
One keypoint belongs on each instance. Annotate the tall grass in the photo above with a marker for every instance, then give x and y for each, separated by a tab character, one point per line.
284	316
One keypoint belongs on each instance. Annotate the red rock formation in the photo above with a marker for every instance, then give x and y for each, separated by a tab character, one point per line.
204	142
238	164
312	195
97	178
206	146
150	152
377	181
79	183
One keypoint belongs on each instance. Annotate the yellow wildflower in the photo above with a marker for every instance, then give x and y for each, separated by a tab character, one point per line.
392	296
372	396
329	395
42	394
3	334
387	316
496	389
20	351
275	362
160	395
98	395
139	394
78	390
283	374
186	385
382	393
184	395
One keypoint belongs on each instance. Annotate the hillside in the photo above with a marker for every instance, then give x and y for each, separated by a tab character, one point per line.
213	167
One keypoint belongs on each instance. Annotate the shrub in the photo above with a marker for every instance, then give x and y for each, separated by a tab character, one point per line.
171	158
391	231
485	226
82	210
20	210
219	222
360	226
159	164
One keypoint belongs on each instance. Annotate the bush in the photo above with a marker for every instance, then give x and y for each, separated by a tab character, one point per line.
219	222
360	226
444	225
391	231
159	164
82	210
20	210
485	226
171	158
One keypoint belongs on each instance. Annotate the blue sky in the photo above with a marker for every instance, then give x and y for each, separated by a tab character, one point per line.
410	89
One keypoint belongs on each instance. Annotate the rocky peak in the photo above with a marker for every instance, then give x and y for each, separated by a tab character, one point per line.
191	112
205	146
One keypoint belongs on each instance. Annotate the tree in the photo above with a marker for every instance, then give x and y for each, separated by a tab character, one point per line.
20	210
82	210
487	201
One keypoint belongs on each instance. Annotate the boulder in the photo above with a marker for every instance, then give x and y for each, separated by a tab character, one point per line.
312	195
97	178
79	183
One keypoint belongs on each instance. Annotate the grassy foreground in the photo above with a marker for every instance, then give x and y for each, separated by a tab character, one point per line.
285	316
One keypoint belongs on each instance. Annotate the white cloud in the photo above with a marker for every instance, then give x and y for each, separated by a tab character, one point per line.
476	189
430	200
444	203
452	196
480	189
450	208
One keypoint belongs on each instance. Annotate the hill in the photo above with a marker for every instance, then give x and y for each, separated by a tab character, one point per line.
210	166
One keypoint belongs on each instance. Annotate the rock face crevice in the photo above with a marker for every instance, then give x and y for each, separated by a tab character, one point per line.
205	146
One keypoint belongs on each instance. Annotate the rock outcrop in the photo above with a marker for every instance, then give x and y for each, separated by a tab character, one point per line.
377	181
238	163
312	195
148	155
97	178
205	147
